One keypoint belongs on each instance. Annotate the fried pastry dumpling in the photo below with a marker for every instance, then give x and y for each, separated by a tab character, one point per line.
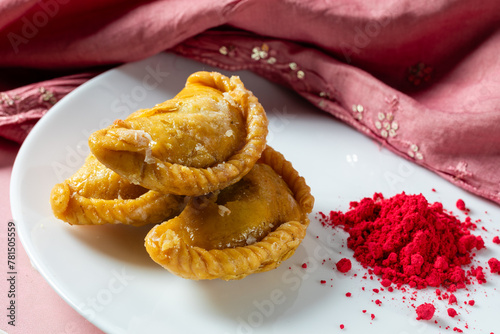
96	195
204	139
249	227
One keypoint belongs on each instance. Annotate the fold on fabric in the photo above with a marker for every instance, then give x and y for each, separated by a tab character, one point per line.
460	143
420	78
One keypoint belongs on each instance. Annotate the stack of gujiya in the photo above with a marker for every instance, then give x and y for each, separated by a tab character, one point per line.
224	204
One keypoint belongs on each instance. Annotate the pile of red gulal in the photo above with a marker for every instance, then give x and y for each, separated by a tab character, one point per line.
406	240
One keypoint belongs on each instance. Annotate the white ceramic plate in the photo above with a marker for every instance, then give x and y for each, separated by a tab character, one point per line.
106	275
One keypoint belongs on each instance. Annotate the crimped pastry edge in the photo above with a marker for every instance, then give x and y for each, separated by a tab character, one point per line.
196	263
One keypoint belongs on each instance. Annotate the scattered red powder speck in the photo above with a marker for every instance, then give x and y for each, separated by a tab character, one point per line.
461	205
407	240
344	265
341	326
425	311
348	294
452	312
386	283
304	265
323	281
456	329
478	273
496	239
472	302
494	265
378	302
372	316
452	299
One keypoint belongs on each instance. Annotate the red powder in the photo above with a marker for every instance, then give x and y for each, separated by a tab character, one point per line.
408	241
458	330
344	265
341	326
348	294
452	299
472	302
461	205
494	265
451	312
478	273
496	240
304	265
425	311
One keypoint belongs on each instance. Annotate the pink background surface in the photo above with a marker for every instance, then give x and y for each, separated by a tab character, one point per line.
454	117
39	309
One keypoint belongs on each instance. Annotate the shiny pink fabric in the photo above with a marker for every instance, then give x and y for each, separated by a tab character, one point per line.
419	77
22	107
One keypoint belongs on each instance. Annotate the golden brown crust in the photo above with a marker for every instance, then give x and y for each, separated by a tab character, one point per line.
239	207
95	195
170	248
215	140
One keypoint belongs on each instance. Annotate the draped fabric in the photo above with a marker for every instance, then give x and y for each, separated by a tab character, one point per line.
421	78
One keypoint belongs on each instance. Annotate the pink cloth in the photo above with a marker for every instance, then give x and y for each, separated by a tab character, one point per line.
423	75
421	78
38	307
451	127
